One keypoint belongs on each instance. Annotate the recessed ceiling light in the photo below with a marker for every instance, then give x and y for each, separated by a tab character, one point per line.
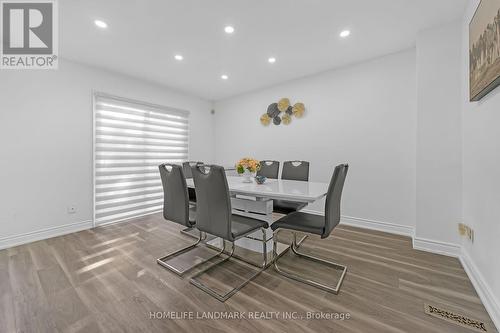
178	57
101	24
345	33
229	29
271	60
224	77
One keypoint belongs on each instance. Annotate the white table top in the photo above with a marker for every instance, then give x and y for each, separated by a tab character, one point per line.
289	190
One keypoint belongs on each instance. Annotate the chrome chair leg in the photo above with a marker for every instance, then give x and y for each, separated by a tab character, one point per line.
265	261
163	261
296	277
212	292
300	241
264	248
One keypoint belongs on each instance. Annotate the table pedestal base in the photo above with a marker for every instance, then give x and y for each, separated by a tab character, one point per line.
248	248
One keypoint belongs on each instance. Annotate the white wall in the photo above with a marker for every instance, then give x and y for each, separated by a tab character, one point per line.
46	135
481	178
439	134
364	115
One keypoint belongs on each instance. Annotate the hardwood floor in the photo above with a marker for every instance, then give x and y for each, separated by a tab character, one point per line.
107	280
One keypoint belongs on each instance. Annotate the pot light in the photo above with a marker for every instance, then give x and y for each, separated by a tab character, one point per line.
271	60
229	29
101	24
345	33
224	77
178	57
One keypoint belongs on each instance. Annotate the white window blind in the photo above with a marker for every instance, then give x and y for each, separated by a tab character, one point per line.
131	139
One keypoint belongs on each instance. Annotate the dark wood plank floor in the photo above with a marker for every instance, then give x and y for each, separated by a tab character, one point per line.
107	280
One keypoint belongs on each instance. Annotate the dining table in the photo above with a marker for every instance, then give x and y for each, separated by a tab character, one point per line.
256	201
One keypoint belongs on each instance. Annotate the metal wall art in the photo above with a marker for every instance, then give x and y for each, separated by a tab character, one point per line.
282	112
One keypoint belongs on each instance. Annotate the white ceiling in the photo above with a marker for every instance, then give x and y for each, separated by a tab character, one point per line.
144	35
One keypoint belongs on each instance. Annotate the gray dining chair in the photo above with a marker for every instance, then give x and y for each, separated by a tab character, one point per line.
214	216
292	170
269	169
176	208
295	170
186	167
316	225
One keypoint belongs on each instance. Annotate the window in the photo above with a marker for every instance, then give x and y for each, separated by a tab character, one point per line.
131	139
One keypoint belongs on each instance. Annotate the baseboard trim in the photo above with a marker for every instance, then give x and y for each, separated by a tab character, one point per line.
34	236
388	227
490	302
443	248
391	228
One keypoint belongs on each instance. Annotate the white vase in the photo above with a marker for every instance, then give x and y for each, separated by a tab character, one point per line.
247	176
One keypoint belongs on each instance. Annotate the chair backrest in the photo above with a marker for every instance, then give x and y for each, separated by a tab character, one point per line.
175	194
213	204
295	170
186	167
333	199
269	169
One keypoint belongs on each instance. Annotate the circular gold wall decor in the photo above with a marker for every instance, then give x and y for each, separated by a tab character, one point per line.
298	110
265	119
282	112
286	119
283	104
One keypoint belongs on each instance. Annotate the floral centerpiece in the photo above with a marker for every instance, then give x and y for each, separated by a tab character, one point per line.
247	167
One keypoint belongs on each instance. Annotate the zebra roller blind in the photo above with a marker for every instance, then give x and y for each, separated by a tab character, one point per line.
131	139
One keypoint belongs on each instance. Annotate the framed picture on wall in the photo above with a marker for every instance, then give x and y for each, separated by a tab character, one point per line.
484	49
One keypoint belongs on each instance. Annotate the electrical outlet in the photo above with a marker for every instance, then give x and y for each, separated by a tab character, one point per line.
470	234
71	209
